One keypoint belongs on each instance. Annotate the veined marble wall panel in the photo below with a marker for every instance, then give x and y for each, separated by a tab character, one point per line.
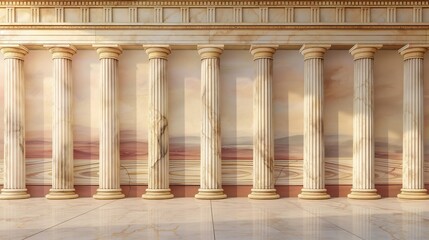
86	104
338	116
184	114
288	105
236	116
236	104
388	94
133	105
38	104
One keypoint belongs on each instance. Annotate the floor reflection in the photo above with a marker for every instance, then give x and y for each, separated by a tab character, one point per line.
233	218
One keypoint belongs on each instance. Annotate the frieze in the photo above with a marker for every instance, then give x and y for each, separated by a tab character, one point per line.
42	13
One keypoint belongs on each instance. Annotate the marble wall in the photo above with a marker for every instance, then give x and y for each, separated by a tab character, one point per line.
236	116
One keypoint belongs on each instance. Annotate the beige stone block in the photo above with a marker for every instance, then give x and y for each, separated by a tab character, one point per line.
425	12
3	15
198	15
327	15
23	15
172	15
224	15
121	15
96	15
145	15
251	15
302	15
378	15
404	15
47	15
276	15
72	15
353	15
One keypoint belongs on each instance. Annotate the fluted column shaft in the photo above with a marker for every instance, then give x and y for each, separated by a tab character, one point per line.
14	123
363	123
263	136
314	162
413	125
109	170
158	149
211	168
62	118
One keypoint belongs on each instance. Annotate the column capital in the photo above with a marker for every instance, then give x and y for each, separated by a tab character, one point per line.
263	51
108	51
14	51
360	51
210	51
314	50
413	51
61	51
157	51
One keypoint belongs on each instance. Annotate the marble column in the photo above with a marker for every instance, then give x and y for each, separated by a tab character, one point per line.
363	122
158	149
263	136
413	186
314	162
109	167
62	119
211	161
14	120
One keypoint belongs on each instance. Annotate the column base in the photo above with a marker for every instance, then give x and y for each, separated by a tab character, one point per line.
416	194
263	194
364	194
9	194
108	194
58	194
210	194
158	194
313	194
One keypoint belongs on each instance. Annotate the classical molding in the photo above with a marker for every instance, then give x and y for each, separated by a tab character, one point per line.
214	3
189	13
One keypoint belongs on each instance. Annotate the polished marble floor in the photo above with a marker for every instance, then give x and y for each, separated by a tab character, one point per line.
233	218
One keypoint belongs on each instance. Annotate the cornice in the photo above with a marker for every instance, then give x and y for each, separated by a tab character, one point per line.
215	27
213	3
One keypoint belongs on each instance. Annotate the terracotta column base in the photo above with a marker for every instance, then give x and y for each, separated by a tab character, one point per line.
108	194
263	194
364	194
9	194
58	194
314	194
158	194
416	194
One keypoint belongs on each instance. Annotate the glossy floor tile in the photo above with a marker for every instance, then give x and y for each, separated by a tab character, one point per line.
233	218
